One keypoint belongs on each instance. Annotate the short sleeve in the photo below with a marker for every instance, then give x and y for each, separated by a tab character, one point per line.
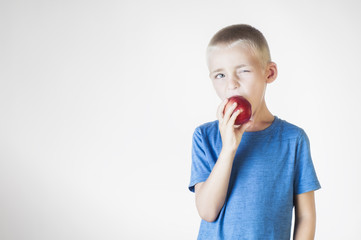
305	175
200	169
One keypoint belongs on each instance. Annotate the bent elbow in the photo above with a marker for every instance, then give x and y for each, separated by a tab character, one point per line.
208	217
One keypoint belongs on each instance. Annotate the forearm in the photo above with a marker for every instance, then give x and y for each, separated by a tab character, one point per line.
304	228
211	196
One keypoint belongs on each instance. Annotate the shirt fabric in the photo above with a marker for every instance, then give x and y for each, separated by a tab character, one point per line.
270	167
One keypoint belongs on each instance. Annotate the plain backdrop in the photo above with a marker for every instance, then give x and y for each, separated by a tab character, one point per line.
99	101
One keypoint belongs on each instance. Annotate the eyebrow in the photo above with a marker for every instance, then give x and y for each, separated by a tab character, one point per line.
220	69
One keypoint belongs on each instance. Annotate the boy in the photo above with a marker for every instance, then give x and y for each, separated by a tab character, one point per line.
247	178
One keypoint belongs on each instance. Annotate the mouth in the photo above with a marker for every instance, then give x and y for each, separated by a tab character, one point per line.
238	95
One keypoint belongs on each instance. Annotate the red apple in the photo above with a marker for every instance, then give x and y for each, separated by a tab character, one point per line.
243	105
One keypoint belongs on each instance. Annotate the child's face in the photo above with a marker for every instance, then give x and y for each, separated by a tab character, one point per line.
237	71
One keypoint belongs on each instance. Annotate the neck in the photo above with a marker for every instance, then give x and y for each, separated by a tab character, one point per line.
262	118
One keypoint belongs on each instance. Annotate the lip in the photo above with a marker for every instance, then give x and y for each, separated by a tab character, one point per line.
235	95
238	96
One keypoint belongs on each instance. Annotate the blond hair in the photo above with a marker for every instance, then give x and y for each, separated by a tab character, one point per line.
242	34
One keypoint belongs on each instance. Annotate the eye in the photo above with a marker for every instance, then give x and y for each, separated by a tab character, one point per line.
243	71
218	75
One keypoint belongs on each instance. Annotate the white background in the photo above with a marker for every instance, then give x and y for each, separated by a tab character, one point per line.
99	101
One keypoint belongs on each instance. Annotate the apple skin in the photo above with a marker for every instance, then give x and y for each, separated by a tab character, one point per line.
243	105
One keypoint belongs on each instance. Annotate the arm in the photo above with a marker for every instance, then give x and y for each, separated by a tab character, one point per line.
305	216
211	194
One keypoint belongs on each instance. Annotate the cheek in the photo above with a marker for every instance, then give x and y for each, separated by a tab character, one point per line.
258	92
219	85
255	91
220	89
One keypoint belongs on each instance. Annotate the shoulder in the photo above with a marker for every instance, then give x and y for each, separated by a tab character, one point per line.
207	129
290	131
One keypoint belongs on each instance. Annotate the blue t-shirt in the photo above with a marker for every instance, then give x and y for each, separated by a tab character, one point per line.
269	168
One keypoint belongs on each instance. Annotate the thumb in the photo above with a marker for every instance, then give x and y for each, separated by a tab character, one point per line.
246	125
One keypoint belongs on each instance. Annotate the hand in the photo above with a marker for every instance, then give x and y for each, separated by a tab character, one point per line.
231	135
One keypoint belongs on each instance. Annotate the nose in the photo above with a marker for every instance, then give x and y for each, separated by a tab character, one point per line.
232	83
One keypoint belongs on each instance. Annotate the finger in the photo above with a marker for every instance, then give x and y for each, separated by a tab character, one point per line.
228	113
220	109
232	120
245	126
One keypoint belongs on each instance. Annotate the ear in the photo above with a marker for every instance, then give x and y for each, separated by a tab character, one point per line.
271	72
